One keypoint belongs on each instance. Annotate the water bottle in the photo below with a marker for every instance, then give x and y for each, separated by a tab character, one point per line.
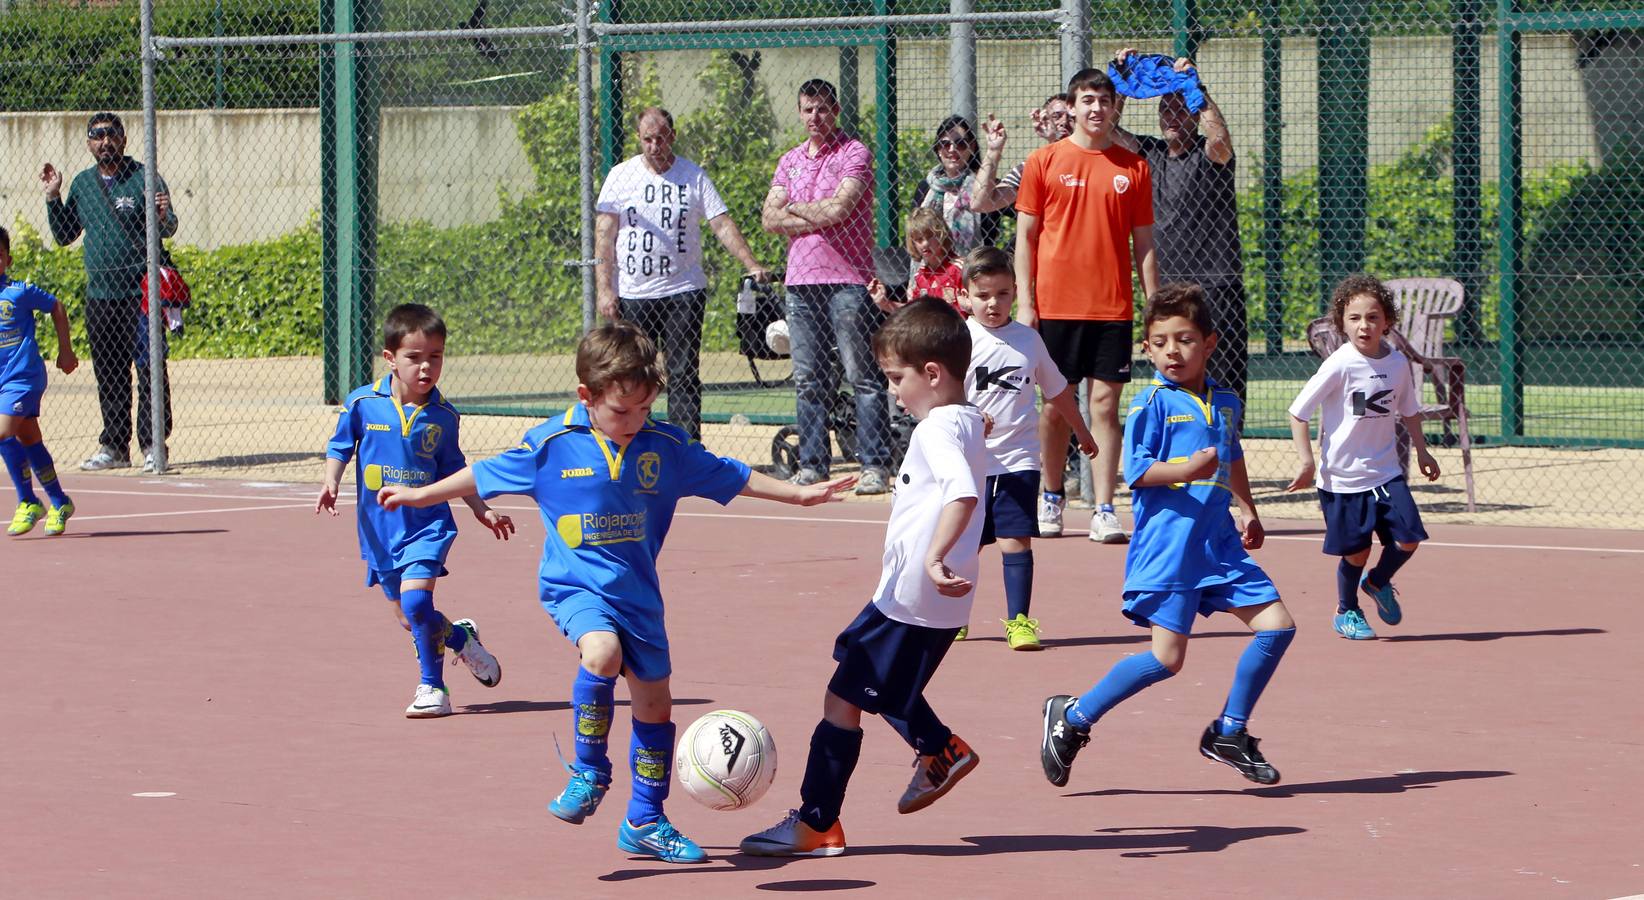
745	298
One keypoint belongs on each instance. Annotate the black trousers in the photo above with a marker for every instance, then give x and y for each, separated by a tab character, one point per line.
118	333
1230	364
674	323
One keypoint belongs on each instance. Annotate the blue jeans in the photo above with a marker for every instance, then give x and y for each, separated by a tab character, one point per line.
830	324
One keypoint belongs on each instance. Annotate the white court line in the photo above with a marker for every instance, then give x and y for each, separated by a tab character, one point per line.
183	495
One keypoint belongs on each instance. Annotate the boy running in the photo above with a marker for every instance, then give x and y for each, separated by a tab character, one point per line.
22	384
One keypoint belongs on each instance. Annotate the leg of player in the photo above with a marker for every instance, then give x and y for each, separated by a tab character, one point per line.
814	829
1021	631
943	757
646	831
44	470
1104	469
1378	583
463	640
1226	740
428	635
1350	622
592	702
29	508
1053	435
1068	720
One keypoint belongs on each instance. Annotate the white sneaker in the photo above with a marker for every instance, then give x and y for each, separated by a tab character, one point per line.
1105	528
148	463
105	458
429	703
1050	516
480	661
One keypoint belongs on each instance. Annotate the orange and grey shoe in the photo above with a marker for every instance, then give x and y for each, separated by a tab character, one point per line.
57	518
792	837
934	776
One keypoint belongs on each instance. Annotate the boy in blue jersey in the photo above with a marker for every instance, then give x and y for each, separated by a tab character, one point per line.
22	384
399	431
606	479
1183	462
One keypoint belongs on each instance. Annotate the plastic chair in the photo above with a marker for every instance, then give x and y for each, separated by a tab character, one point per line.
1423	304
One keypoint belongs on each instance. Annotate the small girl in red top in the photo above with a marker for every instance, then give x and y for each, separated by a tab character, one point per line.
940	273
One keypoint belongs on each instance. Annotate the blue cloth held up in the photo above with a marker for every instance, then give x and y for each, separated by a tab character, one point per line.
1155	75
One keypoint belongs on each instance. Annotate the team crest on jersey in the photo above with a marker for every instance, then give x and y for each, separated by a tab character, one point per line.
430	439
1121	183
650	467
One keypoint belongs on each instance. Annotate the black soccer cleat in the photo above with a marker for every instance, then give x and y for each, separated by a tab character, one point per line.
1239	750
1062	741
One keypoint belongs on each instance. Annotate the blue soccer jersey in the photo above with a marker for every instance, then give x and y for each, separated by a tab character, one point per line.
395	444
606	511
20	361
1184	538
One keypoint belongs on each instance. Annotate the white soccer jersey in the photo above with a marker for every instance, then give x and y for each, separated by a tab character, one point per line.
1363	399
659	236
1006	365
946	461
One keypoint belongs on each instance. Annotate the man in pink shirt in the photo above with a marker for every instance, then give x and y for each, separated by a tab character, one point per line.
821	198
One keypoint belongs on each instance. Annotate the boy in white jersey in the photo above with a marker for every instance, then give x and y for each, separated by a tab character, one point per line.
1007	359
889	653
1365	388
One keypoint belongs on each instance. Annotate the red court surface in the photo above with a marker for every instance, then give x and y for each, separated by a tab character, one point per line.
212	642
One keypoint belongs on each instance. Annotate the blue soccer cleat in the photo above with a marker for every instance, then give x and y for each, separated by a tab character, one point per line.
1387	601
1351	625
580	798
660	840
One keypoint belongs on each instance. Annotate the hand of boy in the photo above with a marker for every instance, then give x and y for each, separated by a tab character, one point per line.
1429	465
500	525
947	583
825	491
328	498
394	496
1254	534
1202	464
1303	479
67	362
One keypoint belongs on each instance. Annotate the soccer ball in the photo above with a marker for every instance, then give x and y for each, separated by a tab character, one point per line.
726	760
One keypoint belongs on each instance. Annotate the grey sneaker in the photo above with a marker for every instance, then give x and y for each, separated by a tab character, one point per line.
808	476
872	481
1105	528
149	468
1050	514
106	457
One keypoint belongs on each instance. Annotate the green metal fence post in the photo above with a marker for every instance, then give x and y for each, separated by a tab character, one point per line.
1272	242
886	164
349	127
1344	131
1510	222
1466	204
850	91
1184	23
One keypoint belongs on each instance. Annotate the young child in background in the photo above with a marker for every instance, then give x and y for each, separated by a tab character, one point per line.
888	654
22	385
607	478
1007	360
1365	388
399	431
1183	462
940	273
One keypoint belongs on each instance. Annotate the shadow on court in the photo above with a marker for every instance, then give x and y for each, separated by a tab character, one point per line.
158	532
529	706
1141	843
1381	784
1140	636
1490	635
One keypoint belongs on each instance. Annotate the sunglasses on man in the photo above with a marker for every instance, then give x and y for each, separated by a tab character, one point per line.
104	132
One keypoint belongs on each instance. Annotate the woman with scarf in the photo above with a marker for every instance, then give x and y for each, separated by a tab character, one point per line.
948	187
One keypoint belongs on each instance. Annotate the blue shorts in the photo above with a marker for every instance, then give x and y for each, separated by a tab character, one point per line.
411	571
1013	506
884	664
1387	512
21	399
581	614
1173	610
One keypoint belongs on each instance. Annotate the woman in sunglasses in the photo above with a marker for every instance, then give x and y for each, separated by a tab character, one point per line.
949	185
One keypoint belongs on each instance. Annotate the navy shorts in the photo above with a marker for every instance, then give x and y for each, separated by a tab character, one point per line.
1387	512
884	664
1013	506
21	399
411	571
1173	610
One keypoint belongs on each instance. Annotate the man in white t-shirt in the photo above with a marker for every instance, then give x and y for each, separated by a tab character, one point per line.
1007	359
648	238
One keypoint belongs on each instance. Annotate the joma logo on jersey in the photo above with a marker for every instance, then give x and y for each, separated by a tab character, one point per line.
578	472
1173	420
377	426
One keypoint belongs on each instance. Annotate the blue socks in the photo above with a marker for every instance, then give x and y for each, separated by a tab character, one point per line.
44	470
1392	559
592	699
11	449
651	755
828	769
1347	585
428	631
1256	666
1123	681
1018	583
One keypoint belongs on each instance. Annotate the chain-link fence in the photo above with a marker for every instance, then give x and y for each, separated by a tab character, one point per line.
328	160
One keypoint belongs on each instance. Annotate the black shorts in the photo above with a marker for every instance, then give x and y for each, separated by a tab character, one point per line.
884	664
1013	506
1387	512
1086	349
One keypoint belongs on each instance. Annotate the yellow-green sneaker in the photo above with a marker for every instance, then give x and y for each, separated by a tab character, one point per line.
57	519
23	522
1022	633
963	633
